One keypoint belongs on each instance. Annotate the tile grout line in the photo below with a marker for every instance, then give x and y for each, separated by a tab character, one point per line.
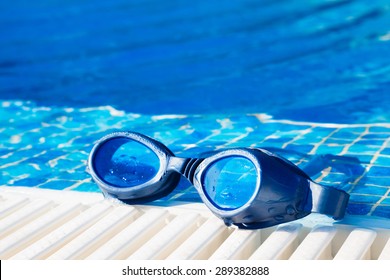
374	158
368	167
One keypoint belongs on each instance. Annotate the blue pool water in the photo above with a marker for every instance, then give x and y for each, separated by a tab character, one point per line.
308	77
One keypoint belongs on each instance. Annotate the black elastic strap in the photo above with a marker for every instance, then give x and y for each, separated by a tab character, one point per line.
329	201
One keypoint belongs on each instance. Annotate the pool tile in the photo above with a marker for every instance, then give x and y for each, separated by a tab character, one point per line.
53	148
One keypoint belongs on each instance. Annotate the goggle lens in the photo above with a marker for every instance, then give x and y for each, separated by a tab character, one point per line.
230	182
122	162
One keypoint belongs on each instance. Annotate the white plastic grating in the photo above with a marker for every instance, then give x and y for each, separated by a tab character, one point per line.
47	224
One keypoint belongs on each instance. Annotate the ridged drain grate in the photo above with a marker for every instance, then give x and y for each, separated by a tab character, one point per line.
43	224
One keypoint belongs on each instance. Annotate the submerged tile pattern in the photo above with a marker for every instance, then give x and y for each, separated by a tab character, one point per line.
48	147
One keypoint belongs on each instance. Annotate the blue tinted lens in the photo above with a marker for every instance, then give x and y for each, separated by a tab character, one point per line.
230	182
122	162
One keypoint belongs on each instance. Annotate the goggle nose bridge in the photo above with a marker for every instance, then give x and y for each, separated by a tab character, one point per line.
185	166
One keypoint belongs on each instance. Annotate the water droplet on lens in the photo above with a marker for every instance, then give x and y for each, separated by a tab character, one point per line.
227	195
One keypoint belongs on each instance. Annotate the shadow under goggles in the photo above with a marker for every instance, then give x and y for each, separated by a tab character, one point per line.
250	188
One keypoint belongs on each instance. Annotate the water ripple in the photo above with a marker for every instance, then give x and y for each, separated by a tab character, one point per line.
169	57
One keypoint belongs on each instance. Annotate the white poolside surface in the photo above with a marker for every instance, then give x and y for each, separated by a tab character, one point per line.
49	224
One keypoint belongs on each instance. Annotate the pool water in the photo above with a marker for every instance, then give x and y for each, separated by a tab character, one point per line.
304	78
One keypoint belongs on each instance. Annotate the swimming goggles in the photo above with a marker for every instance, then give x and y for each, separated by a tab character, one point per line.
248	187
